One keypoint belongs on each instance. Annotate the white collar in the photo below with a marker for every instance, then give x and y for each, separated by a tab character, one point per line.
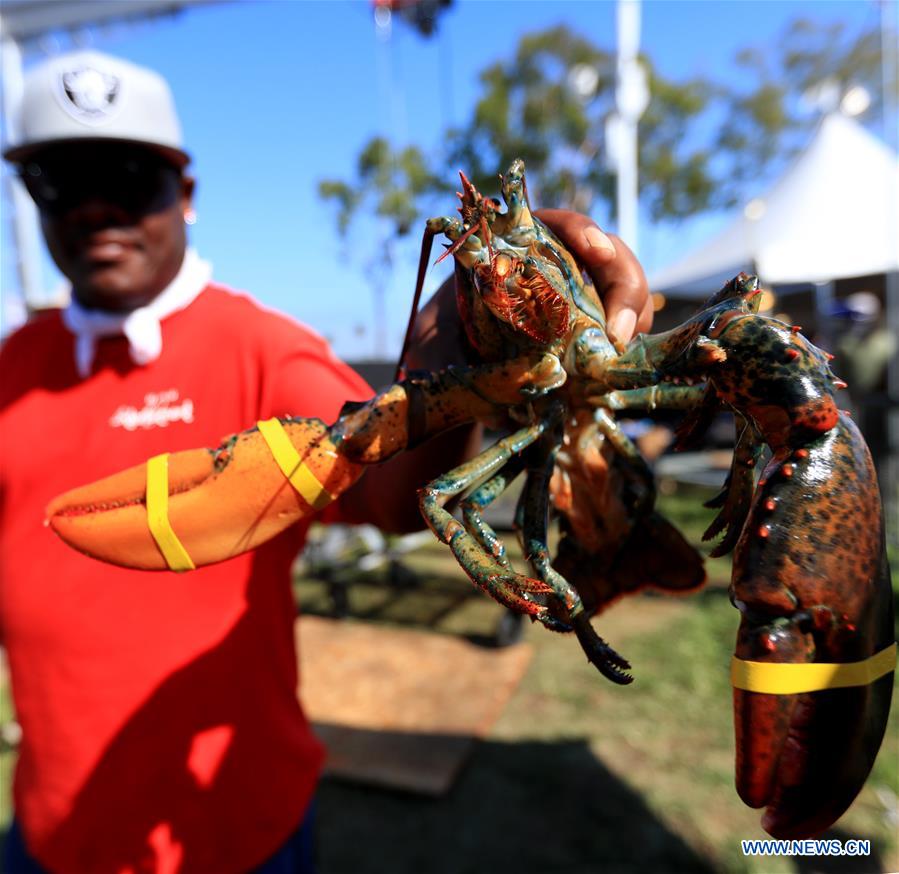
140	326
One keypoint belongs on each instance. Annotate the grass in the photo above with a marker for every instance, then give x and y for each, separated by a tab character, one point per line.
579	775
7	752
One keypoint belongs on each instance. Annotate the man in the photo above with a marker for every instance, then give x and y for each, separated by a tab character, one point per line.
161	729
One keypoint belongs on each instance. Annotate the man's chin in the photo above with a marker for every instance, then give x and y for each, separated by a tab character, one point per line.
111	286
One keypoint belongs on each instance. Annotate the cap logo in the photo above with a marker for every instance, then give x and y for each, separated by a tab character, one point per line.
89	94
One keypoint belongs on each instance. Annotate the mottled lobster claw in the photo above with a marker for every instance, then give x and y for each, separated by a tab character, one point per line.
815	652
805	756
209	505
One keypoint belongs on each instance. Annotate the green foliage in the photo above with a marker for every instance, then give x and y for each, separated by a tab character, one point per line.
675	181
767	117
701	143
530	109
393	180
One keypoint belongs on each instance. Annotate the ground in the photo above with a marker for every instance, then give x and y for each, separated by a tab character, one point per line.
579	775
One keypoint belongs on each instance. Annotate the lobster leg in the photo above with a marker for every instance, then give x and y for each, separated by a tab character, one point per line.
481	498
535	503
513	590
735	499
636	469
654	397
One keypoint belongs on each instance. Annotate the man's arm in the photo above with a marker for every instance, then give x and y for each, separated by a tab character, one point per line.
386	495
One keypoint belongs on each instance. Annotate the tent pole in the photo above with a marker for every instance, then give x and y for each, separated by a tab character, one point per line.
890	481
889	59
25	222
824	299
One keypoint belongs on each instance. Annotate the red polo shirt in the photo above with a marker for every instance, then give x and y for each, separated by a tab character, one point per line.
161	729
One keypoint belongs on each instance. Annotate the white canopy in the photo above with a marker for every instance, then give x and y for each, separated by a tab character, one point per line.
833	214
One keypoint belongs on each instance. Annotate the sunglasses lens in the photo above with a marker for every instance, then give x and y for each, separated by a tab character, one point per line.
40	186
137	183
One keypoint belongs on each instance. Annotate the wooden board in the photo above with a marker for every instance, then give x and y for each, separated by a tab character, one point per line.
401	708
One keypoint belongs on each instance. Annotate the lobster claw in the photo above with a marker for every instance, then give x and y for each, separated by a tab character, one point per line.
201	506
805	755
215	503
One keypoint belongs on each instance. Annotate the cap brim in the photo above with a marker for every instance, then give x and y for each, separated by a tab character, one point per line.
18	154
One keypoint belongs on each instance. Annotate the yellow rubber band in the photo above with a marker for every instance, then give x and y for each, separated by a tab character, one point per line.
791	679
292	466
170	546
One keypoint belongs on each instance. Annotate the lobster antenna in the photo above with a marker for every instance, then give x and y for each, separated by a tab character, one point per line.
426	243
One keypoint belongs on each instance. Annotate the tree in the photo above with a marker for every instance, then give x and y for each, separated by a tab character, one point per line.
808	70
701	142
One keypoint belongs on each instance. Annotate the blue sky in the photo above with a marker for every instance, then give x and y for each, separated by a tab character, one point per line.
277	94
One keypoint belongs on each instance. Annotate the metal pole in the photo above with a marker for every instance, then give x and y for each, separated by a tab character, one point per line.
631	98
889	59
25	221
824	301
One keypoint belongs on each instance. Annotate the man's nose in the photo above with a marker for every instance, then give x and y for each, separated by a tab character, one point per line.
97	212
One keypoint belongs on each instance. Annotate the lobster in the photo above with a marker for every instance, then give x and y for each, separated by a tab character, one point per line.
549	374
814	661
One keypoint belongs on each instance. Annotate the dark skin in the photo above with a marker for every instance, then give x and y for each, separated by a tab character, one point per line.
119	259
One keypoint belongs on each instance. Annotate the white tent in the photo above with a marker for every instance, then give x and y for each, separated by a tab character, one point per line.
833	214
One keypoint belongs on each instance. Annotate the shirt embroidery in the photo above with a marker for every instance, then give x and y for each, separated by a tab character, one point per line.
159	410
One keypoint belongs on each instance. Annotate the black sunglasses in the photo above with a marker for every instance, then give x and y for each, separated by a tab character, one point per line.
136	180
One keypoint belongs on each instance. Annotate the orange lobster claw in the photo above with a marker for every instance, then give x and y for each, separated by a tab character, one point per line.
221	502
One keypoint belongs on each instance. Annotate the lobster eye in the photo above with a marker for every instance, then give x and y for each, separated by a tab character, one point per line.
502	264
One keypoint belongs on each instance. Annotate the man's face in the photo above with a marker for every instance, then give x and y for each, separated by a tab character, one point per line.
113	218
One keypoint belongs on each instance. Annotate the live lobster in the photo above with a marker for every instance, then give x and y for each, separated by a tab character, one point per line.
813	591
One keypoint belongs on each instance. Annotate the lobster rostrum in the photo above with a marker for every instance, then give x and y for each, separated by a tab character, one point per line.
815	653
550	376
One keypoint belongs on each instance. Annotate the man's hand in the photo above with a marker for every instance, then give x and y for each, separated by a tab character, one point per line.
615	271
438	338
386	496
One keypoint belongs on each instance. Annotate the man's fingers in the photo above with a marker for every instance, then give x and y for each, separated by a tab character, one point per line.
598	244
644	323
625	294
615	271
622	325
581	236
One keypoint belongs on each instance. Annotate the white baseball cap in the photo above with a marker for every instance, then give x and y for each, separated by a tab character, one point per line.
92	96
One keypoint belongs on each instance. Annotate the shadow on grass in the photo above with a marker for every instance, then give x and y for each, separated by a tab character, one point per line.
543	807
404	598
